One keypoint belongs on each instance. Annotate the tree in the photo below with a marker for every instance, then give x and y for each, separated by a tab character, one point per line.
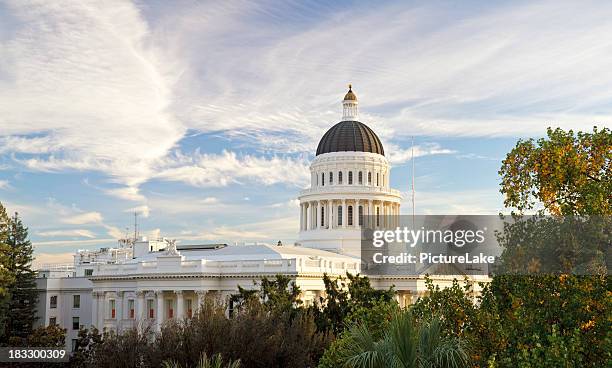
216	361
6	277
23	294
405	345
344	296
555	318
51	336
279	295
566	173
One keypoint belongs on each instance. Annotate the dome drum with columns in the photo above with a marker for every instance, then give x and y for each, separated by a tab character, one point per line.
349	186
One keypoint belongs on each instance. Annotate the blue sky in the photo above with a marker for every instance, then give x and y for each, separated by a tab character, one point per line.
203	116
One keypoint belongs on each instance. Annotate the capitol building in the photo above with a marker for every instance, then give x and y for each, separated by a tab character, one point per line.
150	281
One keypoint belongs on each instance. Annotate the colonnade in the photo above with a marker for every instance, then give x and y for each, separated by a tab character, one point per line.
348	213
115	308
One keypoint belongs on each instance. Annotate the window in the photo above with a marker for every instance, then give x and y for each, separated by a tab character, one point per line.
131	308
350	216
323	179
52	321
331	177
111	308
376	179
350	179
169	308
360	178
322	216
370	178
377	216
74	344
360	215
75	323
339	177
150	308
76	301
189	308
339	215
53	302
88	272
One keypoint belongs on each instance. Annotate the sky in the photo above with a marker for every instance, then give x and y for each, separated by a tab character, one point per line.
203	117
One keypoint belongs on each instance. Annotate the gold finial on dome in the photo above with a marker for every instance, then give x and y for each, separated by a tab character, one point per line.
350	96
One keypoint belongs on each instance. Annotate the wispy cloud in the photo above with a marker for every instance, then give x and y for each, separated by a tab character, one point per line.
67	233
399	155
218	170
84	218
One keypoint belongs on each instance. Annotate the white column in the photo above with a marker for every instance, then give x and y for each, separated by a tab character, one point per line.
140	306
119	308
318	215
332	218
180	308
355	212
94	309
159	313
371	213
344	213
101	310
200	300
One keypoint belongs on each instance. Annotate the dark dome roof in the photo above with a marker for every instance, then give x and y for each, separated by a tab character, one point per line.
352	136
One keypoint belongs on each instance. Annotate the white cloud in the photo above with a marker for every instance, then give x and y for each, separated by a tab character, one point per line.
84	218
52	258
4	184
143	210
67	233
218	170
86	79
398	155
73	243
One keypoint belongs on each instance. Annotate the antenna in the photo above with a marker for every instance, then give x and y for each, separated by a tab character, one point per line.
413	204
135	226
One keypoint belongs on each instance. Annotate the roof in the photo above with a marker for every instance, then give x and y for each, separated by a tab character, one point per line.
350	96
352	136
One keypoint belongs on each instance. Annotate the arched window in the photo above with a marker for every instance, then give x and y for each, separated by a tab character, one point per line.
350	215
376	179
377	216
369	178
331	177
360	178
339	215
339	177
323	179
350	181
360	215
322	216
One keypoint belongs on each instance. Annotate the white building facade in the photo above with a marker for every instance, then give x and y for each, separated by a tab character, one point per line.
144	283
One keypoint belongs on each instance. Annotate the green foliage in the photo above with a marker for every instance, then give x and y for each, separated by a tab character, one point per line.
345	296
6	278
280	295
216	361
453	304
406	345
376	318
18	295
50	336
567	173
551	312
